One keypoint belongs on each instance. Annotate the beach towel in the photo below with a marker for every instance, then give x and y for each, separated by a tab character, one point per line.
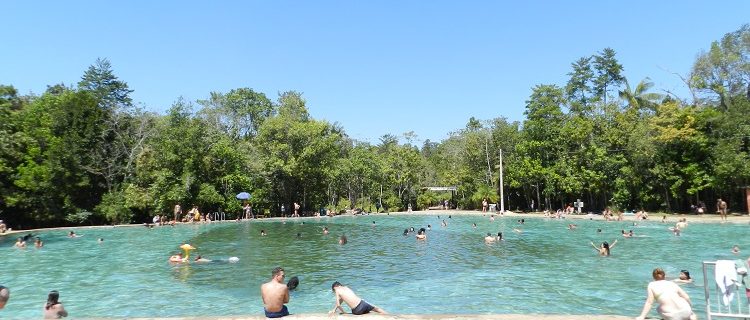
726	277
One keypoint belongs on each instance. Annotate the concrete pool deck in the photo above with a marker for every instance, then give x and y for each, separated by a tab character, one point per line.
412	316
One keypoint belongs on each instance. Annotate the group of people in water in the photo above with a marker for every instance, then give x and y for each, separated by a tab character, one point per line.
673	300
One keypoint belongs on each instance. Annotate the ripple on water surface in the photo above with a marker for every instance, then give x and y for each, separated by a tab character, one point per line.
546	268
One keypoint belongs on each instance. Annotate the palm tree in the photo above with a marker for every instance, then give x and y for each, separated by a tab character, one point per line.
640	100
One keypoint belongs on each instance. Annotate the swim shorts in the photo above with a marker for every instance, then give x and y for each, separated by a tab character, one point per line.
683	314
362	308
277	314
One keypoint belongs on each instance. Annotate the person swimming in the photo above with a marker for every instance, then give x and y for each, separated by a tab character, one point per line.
421	234
343	240
293	283
684	277
177	258
263	233
200	258
325	230
38	243
406	232
500	236
20	243
489	238
604	250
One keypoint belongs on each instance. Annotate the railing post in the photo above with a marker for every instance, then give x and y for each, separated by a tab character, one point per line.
706	295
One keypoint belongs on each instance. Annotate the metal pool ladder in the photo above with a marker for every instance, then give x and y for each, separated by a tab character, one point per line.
731	311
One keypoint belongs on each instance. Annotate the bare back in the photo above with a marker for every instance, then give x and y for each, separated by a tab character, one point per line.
347	295
274	295
670	296
56	311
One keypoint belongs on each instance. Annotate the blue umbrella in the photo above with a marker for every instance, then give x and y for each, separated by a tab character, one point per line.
243	196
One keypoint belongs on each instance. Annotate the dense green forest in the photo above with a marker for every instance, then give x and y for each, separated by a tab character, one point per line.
87	154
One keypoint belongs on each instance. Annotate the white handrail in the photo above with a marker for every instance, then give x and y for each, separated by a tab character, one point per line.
730	313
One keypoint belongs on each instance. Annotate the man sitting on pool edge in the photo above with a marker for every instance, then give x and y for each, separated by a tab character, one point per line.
357	305
275	294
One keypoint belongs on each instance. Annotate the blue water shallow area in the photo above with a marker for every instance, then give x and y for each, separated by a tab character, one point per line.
546	268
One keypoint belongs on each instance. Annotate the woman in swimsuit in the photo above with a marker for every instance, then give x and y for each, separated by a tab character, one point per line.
674	303
604	249
54	309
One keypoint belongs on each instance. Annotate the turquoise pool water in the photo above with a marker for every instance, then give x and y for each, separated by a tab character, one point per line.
545	269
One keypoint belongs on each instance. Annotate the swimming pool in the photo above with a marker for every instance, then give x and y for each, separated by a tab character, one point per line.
545	269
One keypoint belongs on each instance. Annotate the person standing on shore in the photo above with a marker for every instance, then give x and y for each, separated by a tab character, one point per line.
721	208
177	212
248	209
296	210
275	294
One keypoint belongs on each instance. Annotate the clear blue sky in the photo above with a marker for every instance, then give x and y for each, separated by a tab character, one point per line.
376	67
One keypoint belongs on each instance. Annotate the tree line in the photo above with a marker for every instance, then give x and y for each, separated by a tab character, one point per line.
86	154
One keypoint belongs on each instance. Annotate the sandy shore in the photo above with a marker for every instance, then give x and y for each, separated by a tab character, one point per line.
671	218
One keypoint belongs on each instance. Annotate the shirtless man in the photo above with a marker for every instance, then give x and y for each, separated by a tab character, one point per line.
674	303
20	243
489	238
721	208
275	294
357	305
4	296
682	224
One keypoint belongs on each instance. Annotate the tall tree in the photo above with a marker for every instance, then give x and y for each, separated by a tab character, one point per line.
105	86
578	89
725	69
608	73
239	113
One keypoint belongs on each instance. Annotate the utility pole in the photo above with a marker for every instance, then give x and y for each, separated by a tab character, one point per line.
502	198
